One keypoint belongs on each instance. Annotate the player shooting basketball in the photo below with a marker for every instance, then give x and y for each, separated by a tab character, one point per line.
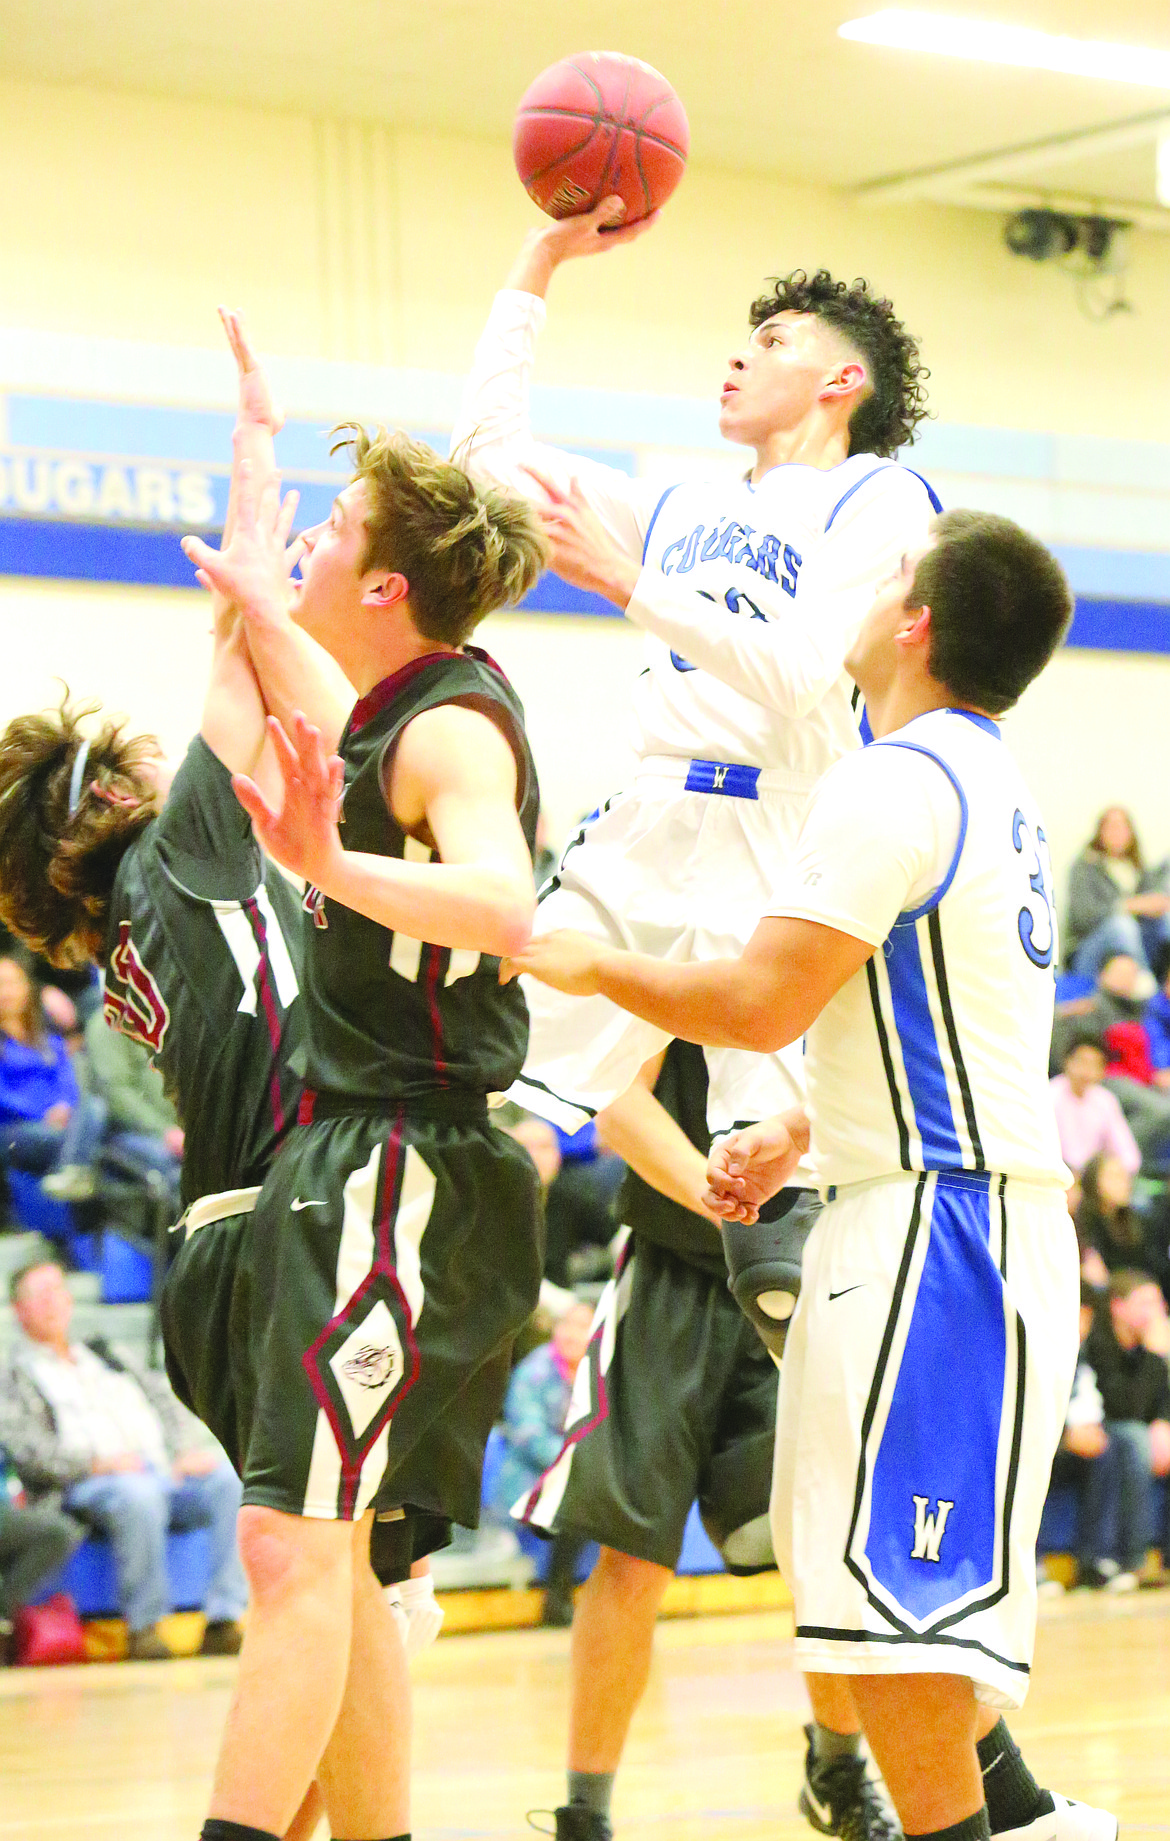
750	590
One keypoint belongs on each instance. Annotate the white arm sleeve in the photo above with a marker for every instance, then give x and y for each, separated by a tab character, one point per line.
790	660
879	835
493	435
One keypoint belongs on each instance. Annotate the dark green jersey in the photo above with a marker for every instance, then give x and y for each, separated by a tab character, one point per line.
392	1018
202	967
681	1088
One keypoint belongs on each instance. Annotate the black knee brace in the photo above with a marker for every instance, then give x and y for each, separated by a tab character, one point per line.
763	1263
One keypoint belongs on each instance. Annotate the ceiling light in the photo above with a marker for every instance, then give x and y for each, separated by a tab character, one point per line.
987	43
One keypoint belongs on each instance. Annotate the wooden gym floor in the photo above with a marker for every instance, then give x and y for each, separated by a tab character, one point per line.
125	1749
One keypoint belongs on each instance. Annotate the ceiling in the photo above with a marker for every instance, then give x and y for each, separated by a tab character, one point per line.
767	86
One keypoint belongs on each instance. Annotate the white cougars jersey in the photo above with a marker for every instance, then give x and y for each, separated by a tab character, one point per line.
750	594
928	846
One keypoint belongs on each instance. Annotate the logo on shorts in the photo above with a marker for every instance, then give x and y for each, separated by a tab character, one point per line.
929	1529
371	1366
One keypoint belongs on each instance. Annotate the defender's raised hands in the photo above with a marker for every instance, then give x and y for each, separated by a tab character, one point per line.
252	571
300	831
255	405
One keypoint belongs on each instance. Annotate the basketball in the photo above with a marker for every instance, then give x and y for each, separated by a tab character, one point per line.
599	124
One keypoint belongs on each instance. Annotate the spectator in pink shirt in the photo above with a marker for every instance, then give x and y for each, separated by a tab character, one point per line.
1089	1118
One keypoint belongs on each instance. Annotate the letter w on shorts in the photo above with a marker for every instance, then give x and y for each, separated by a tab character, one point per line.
942	1428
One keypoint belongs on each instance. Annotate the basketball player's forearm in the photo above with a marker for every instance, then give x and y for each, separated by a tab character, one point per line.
720	1003
535	265
642	1132
778	662
233	721
493	436
468	907
295	673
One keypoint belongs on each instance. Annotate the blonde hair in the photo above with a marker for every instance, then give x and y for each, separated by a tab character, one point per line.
464	548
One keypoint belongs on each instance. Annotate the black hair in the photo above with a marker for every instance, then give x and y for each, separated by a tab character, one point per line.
890	411
1082	1038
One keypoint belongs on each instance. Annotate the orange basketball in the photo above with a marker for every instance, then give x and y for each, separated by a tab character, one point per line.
599	124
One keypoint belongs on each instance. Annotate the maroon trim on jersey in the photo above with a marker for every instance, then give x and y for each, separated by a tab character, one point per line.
383	1275
271	1006
376	700
432	984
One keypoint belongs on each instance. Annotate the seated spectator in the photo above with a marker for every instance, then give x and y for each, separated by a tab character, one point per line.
1115	905
1089	1118
46	1123
1115	1015
533	1425
1127	1350
1110	1001
70	993
86	1426
34	1542
1083	1463
580	1198
1111	1232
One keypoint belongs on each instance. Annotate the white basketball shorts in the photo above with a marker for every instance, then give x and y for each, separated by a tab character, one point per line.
922	1396
681	873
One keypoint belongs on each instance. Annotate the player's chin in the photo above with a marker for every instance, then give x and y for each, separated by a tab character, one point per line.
733	424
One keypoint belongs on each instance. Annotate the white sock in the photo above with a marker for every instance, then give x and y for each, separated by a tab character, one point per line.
394	1600
424	1617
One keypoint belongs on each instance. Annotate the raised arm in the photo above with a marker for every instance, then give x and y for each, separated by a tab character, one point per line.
493	434
233	722
454	776
258	418
251	574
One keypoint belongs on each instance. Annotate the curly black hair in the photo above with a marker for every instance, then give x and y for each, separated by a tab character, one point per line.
887	417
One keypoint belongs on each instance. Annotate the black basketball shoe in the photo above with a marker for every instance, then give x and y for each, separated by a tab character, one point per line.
841	1798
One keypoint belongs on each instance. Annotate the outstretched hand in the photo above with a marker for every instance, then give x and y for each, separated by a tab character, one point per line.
565	960
256	404
301	831
253	571
746	1168
582	550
